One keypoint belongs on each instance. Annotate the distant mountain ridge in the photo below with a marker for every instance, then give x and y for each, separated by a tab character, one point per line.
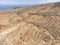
4	7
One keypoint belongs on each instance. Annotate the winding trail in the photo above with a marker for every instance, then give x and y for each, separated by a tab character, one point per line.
9	30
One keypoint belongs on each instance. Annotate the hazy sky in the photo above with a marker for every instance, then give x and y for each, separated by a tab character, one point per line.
27	2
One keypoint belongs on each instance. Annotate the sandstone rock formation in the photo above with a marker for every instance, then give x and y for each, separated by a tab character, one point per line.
34	25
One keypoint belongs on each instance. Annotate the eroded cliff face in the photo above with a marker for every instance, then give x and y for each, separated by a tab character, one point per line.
37	25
